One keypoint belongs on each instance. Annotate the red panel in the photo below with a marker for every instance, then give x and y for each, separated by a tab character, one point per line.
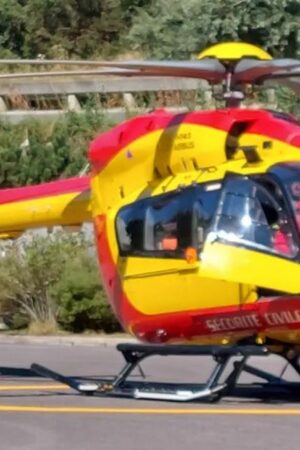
275	128
45	190
280	314
108	144
261	122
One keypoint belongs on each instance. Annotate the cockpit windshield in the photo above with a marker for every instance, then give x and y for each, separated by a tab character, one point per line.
252	214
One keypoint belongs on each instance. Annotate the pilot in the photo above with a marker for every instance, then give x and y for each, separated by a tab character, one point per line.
281	236
277	234
169	240
282	241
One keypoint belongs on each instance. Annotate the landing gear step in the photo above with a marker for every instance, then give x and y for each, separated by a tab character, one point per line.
84	388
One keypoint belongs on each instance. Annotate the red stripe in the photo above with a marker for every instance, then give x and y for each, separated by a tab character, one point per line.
110	277
54	188
269	315
109	144
273	128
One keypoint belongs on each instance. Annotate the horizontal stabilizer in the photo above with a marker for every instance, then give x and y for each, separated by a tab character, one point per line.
64	202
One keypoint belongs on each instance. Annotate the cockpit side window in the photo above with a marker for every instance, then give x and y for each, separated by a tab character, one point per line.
167	225
161	225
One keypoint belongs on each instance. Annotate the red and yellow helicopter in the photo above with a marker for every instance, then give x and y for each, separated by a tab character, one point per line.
197	222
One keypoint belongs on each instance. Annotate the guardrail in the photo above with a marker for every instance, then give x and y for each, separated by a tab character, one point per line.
100	85
115	115
16	96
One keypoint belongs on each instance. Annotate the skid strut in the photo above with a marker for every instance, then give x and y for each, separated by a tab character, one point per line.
230	363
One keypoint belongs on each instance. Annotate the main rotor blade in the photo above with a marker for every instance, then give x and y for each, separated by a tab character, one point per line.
285	72
51	62
66	73
254	71
290	80
208	69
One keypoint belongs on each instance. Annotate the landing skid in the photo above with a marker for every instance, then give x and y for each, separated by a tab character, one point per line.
223	380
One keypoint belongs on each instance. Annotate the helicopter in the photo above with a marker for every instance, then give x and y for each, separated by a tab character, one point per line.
197	223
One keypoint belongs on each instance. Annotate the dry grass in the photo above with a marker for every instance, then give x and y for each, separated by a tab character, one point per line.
43	328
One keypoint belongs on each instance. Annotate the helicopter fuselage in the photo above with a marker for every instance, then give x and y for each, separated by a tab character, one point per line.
196	225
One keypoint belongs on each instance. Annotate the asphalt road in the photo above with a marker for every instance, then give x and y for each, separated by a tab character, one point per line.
38	414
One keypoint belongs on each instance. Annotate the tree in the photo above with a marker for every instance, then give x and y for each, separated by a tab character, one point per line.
60	28
81	28
176	29
12	27
160	28
130	7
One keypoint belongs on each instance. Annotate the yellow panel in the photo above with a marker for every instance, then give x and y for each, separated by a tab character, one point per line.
174	150
65	209
279	149
240	265
118	183
158	286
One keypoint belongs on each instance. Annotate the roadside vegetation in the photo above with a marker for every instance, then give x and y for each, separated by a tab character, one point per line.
34	152
51	283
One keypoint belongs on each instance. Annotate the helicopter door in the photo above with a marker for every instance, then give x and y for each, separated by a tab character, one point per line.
252	240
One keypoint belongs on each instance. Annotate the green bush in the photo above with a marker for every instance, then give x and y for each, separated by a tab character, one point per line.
51	281
287	101
80	298
26	271
35	152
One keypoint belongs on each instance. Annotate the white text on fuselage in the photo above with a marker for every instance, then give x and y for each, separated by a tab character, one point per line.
253	321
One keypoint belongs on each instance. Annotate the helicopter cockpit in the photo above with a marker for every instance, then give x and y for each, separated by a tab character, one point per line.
260	212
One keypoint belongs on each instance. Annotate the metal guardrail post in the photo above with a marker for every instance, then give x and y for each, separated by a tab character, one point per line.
73	104
3	106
